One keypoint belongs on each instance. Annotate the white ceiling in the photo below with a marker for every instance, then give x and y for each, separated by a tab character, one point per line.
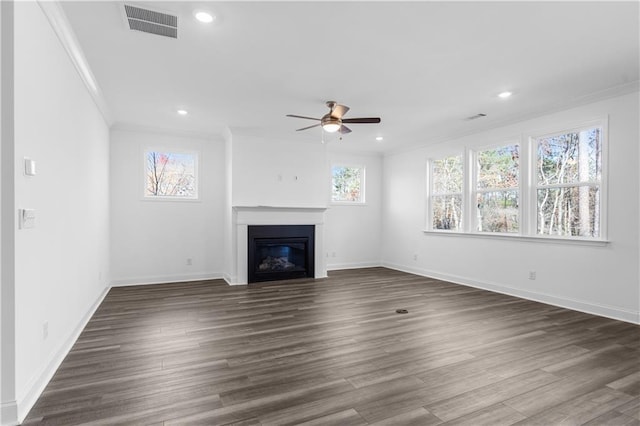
423	67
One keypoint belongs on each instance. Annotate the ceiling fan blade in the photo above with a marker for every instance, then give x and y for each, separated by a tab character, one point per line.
339	111
302	116
344	129
309	127
362	120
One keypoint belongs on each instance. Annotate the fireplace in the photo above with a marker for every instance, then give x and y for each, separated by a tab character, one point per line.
244	217
280	252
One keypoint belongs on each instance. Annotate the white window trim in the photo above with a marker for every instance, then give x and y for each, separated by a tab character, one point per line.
164	198
363	180
527	188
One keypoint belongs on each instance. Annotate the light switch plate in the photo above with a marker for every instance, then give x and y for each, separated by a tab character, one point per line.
27	218
29	167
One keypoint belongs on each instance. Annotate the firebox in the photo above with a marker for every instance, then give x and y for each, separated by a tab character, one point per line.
280	252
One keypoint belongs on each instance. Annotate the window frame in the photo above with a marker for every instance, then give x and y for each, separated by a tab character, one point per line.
165	198
602	185
528	186
363	174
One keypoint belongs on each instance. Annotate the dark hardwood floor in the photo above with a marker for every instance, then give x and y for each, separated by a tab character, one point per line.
334	351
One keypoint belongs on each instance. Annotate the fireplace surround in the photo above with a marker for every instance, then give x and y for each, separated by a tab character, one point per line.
245	216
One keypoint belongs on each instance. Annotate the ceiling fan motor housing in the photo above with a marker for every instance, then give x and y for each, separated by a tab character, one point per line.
328	119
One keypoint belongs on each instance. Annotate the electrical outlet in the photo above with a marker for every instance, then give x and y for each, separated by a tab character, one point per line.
45	330
189	261
532	275
415	257
333	254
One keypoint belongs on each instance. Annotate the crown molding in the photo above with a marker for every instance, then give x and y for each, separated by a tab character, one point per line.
61	26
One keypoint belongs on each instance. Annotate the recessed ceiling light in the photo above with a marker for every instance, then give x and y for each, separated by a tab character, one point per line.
379	138
504	95
182	112
203	16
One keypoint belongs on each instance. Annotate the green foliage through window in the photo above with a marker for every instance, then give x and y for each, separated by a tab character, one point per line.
347	184
498	172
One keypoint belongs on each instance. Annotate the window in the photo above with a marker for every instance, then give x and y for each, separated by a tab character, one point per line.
347	184
497	189
170	175
446	196
548	185
568	180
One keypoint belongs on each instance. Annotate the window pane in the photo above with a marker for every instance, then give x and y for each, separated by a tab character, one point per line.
447	175
569	212
347	184
498	168
570	158
170	174
498	211
447	212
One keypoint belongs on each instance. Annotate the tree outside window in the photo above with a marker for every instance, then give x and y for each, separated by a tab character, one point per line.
497	189
547	186
569	174
347	184
170	175
446	190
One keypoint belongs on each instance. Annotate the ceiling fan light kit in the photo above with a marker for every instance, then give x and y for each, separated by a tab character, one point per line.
333	121
331	125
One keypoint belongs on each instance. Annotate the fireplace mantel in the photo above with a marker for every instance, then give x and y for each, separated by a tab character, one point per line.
243	216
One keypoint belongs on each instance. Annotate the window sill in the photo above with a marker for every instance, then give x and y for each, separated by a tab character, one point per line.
347	203
527	238
172	199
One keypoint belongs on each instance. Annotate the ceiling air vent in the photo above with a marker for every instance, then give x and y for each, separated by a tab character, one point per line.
151	21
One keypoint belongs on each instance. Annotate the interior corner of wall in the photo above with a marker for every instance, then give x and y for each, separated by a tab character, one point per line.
227	134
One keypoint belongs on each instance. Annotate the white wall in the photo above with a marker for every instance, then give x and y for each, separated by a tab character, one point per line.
151	240
598	279
61	268
278	173
353	232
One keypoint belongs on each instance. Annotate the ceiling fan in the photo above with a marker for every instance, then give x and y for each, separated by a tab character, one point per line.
333	122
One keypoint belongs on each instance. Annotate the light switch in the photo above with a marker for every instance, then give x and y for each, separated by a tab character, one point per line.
29	167
26	218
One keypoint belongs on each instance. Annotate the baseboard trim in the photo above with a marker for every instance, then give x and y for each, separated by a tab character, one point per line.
9	413
353	265
229	279
164	279
40	380
549	299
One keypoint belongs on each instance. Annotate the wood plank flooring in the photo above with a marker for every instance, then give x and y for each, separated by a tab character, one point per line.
335	352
